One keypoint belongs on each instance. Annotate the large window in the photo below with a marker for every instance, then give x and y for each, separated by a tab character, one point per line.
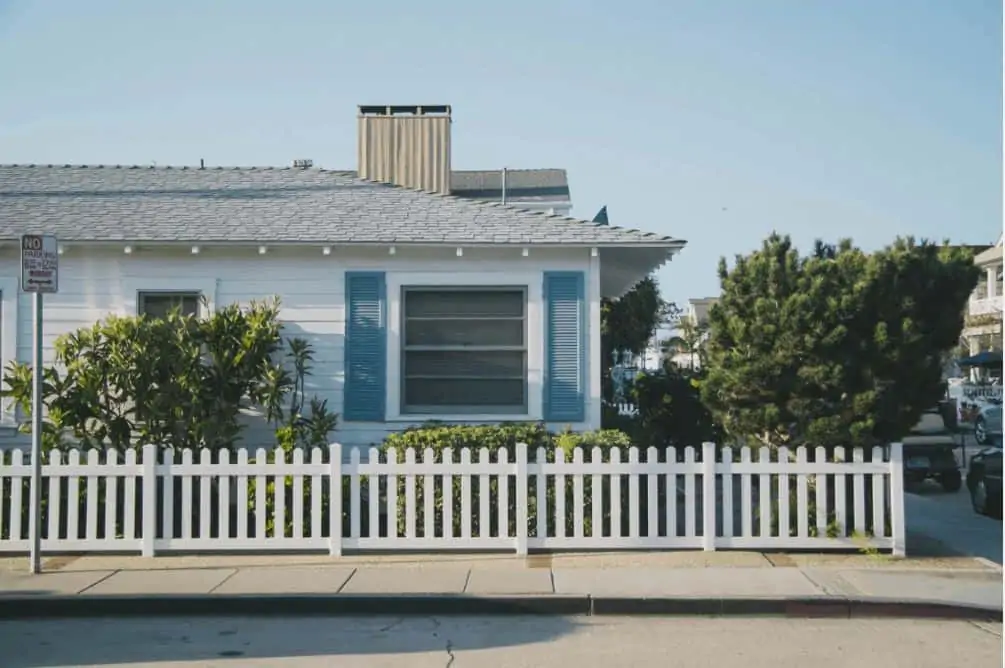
464	351
159	304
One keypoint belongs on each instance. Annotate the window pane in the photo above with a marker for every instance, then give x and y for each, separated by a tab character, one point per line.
464	332
478	364
428	395
158	305
471	303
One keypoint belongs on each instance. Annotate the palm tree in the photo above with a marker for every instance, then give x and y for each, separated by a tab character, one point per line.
690	340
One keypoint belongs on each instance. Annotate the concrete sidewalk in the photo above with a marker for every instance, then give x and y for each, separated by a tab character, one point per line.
683	583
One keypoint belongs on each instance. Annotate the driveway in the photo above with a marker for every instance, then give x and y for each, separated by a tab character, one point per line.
938	521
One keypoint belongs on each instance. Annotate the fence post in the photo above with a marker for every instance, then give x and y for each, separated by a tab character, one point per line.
522	481
335	506
149	518
708	500
898	527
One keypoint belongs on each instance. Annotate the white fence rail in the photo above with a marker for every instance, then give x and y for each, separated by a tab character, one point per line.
706	498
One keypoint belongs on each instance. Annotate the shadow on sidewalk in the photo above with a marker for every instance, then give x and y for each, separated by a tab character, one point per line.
119	641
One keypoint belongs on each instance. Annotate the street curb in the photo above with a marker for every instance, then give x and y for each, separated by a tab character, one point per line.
254	605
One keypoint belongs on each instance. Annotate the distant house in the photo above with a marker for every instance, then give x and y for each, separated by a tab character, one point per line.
983	328
422	301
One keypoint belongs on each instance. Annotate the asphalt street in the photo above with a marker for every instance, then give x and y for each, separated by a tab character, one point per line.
951	524
499	642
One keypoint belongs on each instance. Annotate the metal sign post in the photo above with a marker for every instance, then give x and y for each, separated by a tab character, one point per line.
39	275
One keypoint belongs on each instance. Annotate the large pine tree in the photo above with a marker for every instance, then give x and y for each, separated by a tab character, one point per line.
839	347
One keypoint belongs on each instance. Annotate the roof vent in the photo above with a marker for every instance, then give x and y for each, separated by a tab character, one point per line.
303	164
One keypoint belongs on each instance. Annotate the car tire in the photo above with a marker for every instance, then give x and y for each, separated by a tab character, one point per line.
951	481
979	496
981	431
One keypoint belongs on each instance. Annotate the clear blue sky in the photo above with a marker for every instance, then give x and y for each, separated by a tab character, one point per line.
716	121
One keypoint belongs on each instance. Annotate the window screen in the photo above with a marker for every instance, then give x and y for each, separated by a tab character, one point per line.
464	350
159	304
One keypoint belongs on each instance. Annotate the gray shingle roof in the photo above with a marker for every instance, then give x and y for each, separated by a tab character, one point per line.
269	205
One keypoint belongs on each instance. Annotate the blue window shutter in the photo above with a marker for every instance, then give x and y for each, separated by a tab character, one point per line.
365	347
565	347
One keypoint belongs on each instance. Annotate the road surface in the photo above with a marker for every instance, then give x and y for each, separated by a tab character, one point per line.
499	642
949	519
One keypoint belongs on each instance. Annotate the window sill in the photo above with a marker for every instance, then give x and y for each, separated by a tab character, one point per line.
480	417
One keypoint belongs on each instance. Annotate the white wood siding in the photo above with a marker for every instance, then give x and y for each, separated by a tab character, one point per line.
97	282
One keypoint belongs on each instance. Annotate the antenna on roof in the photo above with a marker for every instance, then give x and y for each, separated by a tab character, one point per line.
504	170
202	163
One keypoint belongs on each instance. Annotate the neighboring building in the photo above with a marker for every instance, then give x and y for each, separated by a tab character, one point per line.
420	304
983	329
692	323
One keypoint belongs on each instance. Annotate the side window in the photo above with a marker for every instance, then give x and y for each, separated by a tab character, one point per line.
159	304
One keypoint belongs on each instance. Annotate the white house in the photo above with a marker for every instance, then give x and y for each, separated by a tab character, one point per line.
984	309
420	304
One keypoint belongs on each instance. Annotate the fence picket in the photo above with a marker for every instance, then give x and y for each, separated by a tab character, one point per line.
484	518
616	496
597	492
746	496
541	485
878	497
465	495
355	512
428	497
727	491
802	496
298	496
764	492
840	503
129	498
373	494
448	493
111	496
4	494
278	496
409	494
671	492
578	499
784	492
223	496
317	461
242	493
150	491
821	494
393	508
560	492
186	495
633	495
91	500
652	493
55	500
261	490
503	509
205	493
689	494
72	500
858	490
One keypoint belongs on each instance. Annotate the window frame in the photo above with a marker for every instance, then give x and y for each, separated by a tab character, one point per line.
529	281
141	296
421	411
206	287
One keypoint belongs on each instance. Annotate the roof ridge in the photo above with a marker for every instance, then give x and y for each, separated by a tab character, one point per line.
180	168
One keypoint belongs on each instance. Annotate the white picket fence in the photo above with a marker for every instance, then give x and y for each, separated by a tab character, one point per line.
164	501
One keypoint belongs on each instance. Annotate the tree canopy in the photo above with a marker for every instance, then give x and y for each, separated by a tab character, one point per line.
839	347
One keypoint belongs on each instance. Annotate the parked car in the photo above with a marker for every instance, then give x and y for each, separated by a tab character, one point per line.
988	423
984	480
929	450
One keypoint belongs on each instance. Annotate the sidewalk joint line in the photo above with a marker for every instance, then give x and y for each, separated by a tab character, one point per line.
551	576
351	576
467	579
223	581
97	582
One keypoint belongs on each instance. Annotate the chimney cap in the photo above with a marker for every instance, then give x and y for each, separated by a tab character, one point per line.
404	109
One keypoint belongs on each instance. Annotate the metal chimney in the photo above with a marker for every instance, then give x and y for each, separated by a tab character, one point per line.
408	146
